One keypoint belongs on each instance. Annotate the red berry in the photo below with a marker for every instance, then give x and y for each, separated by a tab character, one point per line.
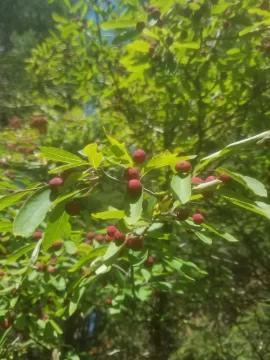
37	235
225	178
210	178
111	230
55	183
2	273
53	261
119	237
196	180
134	243
131	173
73	208
51	300
182	214
134	187
150	260
40	267
5	324
198	219
108	301
45	317
58	244
183	166
109	238
139	156
51	269
90	235
99	238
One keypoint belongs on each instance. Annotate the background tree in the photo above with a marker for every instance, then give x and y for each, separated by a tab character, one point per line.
188	77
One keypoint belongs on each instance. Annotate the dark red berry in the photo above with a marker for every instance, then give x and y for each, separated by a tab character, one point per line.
73	208
90	235
99	238
131	173
119	237
134	187
111	230
225	178
139	156
182	214
198	219
134	243
109	238
183	166
37	235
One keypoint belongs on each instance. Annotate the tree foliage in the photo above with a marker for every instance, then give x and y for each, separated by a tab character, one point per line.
186	274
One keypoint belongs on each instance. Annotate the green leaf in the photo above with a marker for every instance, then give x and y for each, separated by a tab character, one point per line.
254	185
190	45
20	321
119	151
56	327
112	250
139	45
60	155
181	185
20	252
234	147
203	237
59	18
9	200
32	213
70	247
146	275
241	201
6	226
57	226
128	35
133	208
58	169
224	235
119	24
208	186
94	157
91	255
252	28
112	214
76	296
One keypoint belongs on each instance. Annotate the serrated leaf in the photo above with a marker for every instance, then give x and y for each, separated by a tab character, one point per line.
133	208
112	214
119	24
94	157
254	185
181	186
60	155
32	213
56	227
20	252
